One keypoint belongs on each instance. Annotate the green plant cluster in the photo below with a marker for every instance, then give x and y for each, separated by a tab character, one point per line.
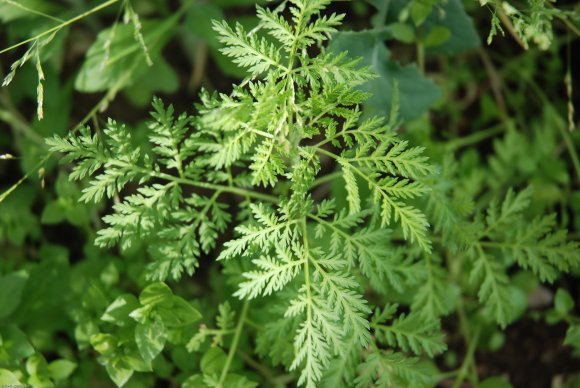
314	226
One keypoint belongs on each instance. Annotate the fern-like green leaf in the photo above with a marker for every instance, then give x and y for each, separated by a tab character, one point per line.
409	332
494	291
390	369
247	50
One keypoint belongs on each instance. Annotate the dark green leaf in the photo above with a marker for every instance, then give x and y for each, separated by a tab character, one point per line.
124	62
164	81
463	35
402	32
11	287
449	14
193	381
573	336
437	36
15	343
563	302
53	213
416	94
419	11
199	21
494	382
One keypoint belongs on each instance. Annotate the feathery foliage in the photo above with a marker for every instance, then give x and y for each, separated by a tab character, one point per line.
278	126
319	260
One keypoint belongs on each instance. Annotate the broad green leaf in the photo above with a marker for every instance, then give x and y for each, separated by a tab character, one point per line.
8	378
402	32
53	213
118	374
11	287
83	332
193	381
519	301
132	360
66	188
213	361
573	336
118	311
142	314
36	364
198	21
61	369
463	35
156	294
494	382
416	94
124	62
378	20
150	339
181	313
437	36
77	214
48	282
15	343
419	11
449	14
238	381
164	81
563	302
105	344
16	218
526	281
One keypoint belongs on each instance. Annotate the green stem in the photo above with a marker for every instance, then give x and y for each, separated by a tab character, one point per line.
455	275
357	170
219	331
509	25
307	273
62	25
254	325
446	375
230	189
571	150
326	178
234	346
475	138
9	191
421	57
468	361
201	185
265	372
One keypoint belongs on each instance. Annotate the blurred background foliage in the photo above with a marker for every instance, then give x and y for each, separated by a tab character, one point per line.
492	116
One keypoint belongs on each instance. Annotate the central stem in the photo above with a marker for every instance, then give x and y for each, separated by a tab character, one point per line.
234	346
